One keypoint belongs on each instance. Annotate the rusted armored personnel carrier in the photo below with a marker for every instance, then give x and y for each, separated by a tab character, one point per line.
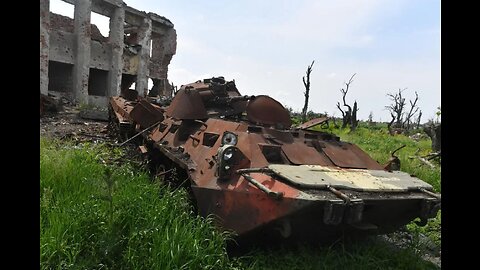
254	172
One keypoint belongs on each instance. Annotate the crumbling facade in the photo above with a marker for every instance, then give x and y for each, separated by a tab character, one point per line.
78	62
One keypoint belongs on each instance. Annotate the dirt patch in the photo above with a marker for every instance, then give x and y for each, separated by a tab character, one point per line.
67	124
422	245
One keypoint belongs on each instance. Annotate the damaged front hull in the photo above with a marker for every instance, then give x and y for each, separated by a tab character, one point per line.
317	216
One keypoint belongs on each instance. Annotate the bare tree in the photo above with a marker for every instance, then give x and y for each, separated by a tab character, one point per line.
345	117
307	92
433	130
349	116
353	120
396	109
413	110
389	126
418	119
404	121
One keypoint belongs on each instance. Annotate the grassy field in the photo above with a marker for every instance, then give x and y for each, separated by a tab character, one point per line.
97	214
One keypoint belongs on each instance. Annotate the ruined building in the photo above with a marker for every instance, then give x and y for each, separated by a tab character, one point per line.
77	62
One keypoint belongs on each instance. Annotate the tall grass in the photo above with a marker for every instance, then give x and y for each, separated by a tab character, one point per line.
358	256
94	216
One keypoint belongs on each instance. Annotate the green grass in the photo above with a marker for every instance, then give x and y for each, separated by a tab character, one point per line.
365	255
97	216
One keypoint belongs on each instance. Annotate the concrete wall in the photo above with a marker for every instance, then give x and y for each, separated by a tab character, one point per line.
61	47
44	44
100	55
93	63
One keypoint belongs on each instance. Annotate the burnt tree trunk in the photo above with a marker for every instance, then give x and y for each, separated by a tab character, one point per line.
345	118
353	119
413	110
335	122
349	115
418	119
434	132
389	126
307	92
397	107
344	115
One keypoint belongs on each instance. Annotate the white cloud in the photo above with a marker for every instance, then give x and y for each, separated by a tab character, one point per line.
366	39
333	23
188	45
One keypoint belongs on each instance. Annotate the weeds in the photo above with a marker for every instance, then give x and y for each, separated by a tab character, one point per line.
94	216
370	255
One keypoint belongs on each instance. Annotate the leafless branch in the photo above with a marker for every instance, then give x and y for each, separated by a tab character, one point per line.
413	110
389	126
338	106
306	83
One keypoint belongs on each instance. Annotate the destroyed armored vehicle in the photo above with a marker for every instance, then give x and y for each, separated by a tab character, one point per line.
255	172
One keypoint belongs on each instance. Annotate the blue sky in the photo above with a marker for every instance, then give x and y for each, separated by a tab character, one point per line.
266	47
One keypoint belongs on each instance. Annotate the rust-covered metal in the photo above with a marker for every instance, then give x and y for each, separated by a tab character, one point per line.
313	122
254	172
264	110
146	114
